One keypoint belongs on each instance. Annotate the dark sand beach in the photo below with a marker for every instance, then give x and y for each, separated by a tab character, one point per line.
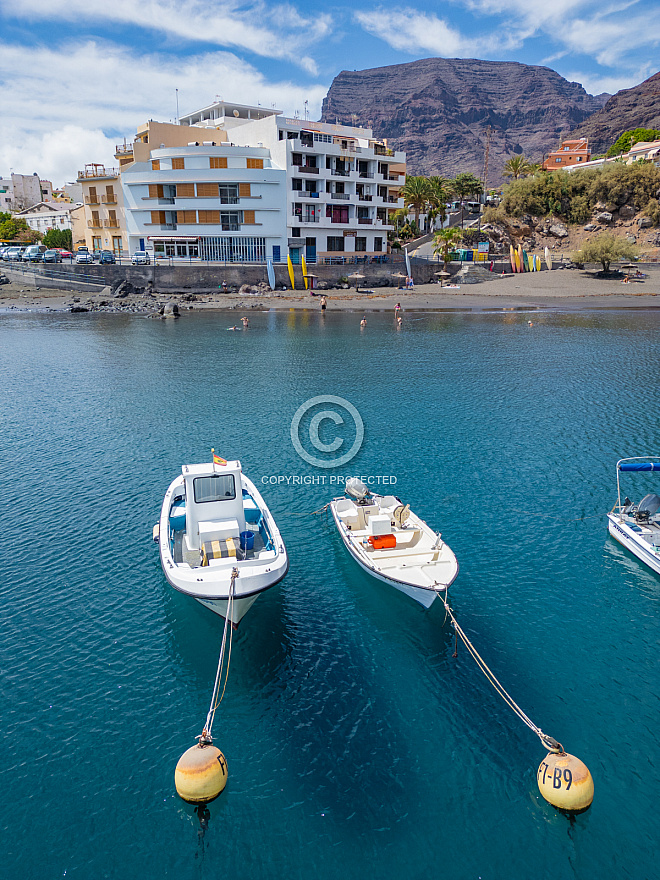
558	289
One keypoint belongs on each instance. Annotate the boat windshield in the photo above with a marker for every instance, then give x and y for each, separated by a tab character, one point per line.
217	488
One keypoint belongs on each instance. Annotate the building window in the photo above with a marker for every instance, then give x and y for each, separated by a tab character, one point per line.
296	184
231	220
233	250
558	159
335	243
244	191
185	191
295	232
360	243
378	244
228	194
255	163
187	217
155	164
207	190
218	162
248	218
178	164
209	217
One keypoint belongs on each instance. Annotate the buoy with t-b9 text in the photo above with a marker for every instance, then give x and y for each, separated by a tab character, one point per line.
201	773
565	781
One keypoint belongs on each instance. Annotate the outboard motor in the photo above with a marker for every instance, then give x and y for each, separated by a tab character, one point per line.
356	489
647	507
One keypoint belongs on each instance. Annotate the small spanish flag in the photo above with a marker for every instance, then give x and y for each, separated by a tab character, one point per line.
216	458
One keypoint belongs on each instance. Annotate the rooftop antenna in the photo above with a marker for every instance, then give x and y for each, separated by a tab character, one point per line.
177	106
484	176
306	109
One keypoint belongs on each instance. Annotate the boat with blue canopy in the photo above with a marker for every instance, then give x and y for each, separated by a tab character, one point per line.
637	525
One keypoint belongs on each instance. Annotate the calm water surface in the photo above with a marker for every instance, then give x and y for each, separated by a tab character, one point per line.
357	745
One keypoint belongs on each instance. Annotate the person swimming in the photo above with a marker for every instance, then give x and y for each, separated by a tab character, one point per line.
363	322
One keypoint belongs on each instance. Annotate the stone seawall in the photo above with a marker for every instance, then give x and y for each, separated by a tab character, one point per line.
205	279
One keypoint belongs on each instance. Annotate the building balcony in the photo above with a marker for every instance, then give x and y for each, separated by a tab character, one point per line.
307	195
382	150
123	149
340	196
109	200
307	169
97	171
94	224
365	198
368	175
391	177
111	224
91	200
336	173
365	221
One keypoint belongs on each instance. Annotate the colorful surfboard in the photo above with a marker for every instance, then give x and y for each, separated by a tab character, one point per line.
520	258
290	265
538	263
548	258
512	257
271	274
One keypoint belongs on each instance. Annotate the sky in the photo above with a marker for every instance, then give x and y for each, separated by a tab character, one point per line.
79	76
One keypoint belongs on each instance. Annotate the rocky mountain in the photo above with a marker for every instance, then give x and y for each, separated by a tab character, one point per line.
439	109
638	107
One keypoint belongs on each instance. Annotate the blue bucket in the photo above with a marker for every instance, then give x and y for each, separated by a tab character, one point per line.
247	541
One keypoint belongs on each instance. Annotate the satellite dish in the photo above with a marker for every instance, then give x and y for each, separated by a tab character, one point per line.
236	114
401	514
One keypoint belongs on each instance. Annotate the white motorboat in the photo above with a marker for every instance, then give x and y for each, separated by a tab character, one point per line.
394	545
214	522
637	526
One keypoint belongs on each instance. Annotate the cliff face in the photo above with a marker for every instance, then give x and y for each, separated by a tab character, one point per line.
638	107
438	110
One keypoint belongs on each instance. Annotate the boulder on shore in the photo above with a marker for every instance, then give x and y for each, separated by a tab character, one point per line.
604	217
558	230
170	310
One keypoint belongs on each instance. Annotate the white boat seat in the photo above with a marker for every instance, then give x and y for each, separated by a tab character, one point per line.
388	503
218	530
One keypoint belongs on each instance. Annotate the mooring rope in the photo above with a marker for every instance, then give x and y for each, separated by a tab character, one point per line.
547	741
205	736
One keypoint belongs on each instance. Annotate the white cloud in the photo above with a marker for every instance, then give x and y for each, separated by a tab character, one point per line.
104	92
411	32
273	31
596	84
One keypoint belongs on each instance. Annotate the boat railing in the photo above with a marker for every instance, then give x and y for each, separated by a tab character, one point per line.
646	463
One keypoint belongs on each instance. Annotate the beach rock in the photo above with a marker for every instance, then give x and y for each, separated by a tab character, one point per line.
627	212
170	310
77	309
558	230
604	217
644	222
600	206
631	238
590	227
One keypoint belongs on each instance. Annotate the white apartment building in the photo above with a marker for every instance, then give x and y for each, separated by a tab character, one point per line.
209	201
342	185
48	215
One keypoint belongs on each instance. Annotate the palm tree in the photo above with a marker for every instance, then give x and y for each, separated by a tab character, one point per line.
464	185
444	240
416	194
441	191
517	167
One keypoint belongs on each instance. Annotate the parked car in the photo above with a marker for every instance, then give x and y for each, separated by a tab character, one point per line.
52	256
63	252
84	257
34	253
140	257
3	252
97	255
107	257
14	253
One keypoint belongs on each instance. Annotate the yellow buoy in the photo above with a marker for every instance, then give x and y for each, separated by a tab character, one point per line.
565	782
201	774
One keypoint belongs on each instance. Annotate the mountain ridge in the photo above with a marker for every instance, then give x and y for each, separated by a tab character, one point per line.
438	110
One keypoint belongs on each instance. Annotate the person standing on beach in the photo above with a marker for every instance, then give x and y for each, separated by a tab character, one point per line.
324	303
363	322
397	309
246	322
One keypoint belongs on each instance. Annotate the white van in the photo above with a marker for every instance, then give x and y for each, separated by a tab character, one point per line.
34	253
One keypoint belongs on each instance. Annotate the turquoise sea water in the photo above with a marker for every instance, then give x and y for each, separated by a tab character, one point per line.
357	745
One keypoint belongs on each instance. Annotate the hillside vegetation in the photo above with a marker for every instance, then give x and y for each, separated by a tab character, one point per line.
575	196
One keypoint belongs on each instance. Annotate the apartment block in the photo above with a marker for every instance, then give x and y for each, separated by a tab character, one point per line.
209	201
103	226
342	185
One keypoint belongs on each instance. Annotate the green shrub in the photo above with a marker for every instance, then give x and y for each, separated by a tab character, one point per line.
652	211
606	248
580	209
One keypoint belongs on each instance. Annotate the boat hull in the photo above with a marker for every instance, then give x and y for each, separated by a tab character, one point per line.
622	533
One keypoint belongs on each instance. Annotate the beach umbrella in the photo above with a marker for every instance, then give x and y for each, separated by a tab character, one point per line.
357	277
443	274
